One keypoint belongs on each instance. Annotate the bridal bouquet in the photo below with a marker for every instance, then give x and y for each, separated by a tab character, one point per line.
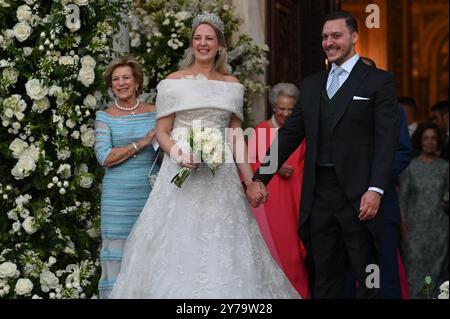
207	144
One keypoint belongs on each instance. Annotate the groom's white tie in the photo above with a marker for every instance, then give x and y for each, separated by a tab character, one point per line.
334	85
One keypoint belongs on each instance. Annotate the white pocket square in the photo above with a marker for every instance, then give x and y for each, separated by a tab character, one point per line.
360	98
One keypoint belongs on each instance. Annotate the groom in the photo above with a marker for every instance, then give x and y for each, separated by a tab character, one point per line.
349	118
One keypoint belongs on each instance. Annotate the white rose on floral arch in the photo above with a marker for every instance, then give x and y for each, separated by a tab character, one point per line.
29	225
27	51
48	281
182	15
88	138
66	60
10	75
36	90
64	170
81	2
34	152
29	2
90	101
23	286
23	13
24	213
88	61
86	180
22	31
23	168
54	89
72	13
18	147
8	112
86	76
39	106
16	226
12	214
7	269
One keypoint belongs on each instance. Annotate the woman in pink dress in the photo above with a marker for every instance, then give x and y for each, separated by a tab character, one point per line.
278	217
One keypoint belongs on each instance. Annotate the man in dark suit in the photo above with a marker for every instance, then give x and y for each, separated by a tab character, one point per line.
350	120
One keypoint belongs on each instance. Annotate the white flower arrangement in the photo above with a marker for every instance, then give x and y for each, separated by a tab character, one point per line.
49	91
443	291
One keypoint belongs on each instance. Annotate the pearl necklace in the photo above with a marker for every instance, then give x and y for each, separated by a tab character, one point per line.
128	109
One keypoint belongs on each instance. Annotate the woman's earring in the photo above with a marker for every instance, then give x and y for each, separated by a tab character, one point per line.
219	52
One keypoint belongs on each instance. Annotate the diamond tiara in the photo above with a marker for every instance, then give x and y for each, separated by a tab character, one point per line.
210	18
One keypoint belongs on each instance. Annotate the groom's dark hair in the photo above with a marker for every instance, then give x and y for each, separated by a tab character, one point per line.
350	20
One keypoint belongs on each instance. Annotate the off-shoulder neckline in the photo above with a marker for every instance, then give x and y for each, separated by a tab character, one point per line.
208	80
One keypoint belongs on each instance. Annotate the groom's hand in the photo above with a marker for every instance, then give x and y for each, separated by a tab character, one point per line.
370	202
256	193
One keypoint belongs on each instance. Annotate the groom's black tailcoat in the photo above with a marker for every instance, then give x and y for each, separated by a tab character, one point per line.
363	140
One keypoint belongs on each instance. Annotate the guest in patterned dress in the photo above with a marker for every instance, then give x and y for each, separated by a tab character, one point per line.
123	145
423	188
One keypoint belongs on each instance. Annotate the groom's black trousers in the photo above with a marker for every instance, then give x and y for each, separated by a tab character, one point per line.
339	240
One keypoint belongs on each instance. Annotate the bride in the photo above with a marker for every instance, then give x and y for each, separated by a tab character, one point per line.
201	240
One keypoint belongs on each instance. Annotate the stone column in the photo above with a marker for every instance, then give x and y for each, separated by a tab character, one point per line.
253	15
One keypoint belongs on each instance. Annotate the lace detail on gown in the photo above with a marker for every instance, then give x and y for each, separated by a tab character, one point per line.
200	241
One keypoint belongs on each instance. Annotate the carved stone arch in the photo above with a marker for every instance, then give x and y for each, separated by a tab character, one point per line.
434	38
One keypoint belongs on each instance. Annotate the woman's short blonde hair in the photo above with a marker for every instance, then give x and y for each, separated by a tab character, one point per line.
135	67
221	64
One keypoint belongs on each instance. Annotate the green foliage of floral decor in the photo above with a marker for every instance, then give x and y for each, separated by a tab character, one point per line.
50	86
159	35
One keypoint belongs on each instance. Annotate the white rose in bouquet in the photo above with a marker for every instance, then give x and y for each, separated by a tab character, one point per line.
41	105
22	31
86	76
36	90
48	281
23	286
7	269
23	13
29	225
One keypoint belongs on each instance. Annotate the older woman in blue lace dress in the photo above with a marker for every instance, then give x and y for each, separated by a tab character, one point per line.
123	145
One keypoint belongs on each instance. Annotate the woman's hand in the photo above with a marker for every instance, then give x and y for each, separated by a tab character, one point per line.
286	171
148	139
189	161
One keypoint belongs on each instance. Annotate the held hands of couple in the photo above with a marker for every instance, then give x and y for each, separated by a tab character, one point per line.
256	193
370	203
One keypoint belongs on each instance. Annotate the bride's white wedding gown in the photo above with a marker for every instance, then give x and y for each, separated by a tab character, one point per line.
200	241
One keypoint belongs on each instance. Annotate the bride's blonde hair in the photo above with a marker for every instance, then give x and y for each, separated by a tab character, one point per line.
220	64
